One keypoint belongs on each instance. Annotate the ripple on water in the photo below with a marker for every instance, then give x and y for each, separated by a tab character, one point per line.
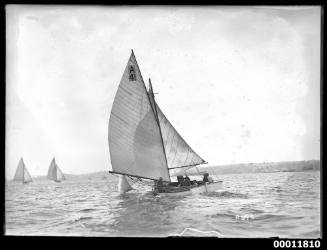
251	205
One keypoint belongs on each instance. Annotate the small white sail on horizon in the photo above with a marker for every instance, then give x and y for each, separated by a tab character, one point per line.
22	174
54	172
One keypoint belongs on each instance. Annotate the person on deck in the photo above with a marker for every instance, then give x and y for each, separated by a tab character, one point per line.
205	178
186	182
180	180
159	185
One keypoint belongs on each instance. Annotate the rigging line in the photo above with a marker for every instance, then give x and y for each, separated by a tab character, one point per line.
146	182
188	152
134	180
156	117
172	148
188	165
192	158
171	144
176	149
114	172
181	138
168	134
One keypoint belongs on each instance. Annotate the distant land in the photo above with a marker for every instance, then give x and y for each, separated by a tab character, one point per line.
100	175
266	167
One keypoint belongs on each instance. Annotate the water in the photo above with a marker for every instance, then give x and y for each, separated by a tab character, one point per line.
284	204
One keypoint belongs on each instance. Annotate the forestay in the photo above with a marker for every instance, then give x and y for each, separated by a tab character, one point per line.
178	152
135	142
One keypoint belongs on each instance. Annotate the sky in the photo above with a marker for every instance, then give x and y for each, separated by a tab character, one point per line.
240	84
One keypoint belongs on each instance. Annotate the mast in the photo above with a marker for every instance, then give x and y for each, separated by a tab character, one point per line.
156	115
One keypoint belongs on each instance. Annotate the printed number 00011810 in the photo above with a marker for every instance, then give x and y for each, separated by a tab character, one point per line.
297	243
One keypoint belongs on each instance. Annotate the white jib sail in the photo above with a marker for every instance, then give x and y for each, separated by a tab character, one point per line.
123	185
27	176
22	175
135	142
60	175
178	152
54	172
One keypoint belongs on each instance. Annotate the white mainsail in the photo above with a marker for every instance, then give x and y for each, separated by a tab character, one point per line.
22	174
178	152
54	172
135	140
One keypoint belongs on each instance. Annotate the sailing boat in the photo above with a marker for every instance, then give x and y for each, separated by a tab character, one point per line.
54	172
22	175
142	141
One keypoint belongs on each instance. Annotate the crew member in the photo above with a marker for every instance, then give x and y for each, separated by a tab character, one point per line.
205	178
159	185
186	181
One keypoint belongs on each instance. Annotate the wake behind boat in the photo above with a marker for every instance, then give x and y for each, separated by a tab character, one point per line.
144	144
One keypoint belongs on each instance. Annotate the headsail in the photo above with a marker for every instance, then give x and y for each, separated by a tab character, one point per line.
135	141
22	175
54	172
27	176
60	175
178	152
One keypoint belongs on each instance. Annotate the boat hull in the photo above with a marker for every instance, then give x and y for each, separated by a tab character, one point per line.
206	188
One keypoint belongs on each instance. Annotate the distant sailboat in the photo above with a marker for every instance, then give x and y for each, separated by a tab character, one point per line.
54	172
142	142
22	175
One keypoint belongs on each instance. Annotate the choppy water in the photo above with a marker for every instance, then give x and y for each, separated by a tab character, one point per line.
284	204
